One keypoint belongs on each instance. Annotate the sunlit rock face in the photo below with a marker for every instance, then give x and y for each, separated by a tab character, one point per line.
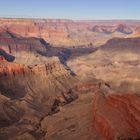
117	116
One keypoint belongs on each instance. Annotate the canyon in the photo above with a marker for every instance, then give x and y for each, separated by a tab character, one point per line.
70	32
69	80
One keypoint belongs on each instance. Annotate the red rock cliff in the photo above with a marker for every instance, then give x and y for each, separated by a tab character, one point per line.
117	116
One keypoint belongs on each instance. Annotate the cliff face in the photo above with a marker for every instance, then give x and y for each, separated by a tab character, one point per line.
21	44
16	48
117	116
8	69
10	72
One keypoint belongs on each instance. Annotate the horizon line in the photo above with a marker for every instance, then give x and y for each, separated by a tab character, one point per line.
41	18
73	19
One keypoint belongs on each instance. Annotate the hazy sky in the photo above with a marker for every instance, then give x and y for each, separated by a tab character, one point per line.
71	9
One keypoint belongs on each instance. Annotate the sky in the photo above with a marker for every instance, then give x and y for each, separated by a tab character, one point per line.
71	9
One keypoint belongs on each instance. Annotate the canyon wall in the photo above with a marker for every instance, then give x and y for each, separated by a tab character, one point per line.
69	32
117	116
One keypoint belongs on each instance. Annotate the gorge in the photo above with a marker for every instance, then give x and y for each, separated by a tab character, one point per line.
69	80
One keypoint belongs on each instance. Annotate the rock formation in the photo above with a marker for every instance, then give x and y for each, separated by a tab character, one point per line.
68	32
67	93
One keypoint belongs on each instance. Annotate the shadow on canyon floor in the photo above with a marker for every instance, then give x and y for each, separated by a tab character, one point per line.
6	56
65	54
